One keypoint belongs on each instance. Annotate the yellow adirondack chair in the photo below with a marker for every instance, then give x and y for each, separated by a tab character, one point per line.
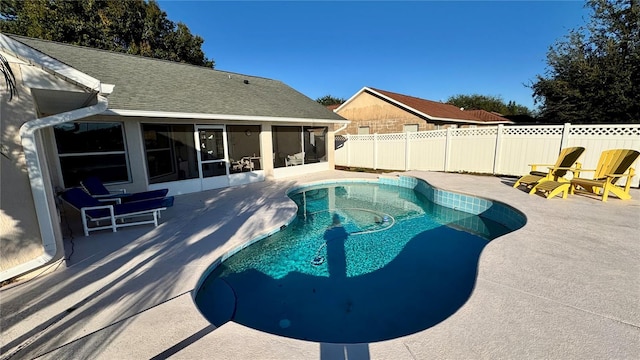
613	165
567	158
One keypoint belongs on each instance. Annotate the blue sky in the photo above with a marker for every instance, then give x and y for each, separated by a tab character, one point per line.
432	50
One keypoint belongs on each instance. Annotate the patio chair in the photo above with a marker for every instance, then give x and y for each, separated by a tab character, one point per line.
116	215
94	187
556	172
613	165
244	164
295	159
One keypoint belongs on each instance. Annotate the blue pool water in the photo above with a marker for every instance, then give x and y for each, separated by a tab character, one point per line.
361	262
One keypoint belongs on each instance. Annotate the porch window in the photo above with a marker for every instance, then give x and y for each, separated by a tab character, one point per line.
298	145
364	130
91	149
170	152
244	148
315	144
287	141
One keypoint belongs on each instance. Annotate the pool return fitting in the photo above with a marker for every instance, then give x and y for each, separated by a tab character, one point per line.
379	219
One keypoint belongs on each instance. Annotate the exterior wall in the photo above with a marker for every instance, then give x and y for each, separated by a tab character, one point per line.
379	115
136	154
138	166
331	149
266	147
20	239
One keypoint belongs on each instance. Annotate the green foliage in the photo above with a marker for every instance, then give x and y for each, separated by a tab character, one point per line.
330	100
593	74
488	103
134	26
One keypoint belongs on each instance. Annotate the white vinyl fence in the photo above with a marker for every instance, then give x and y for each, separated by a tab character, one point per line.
500	150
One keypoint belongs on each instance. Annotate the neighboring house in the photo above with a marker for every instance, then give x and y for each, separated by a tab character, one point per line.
140	124
374	111
333	107
489	116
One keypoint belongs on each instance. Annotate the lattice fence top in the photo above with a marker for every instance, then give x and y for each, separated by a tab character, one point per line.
387	137
483	131
361	137
428	134
533	130
605	130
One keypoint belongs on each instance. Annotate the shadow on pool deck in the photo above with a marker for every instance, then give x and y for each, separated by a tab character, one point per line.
107	269
564	286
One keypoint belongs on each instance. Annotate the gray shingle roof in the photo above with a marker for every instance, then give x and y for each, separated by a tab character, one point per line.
156	85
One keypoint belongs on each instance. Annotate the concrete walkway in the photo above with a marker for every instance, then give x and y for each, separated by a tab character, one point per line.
565	286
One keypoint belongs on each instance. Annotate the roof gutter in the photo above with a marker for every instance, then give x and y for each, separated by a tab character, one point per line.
344	126
28	132
49	65
468	121
201	116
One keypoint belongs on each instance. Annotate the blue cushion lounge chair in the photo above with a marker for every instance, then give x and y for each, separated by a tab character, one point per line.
92	210
96	188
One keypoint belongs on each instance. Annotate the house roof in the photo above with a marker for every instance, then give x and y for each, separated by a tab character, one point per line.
432	110
487	115
151	85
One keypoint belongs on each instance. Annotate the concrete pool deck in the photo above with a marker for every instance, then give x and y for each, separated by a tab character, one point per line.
565	286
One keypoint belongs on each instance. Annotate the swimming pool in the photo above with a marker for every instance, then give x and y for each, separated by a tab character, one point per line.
362	261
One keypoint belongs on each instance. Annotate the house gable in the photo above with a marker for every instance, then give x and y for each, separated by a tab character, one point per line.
367	110
432	110
388	112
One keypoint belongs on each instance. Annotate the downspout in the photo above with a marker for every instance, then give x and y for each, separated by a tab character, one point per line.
28	133
344	126
340	128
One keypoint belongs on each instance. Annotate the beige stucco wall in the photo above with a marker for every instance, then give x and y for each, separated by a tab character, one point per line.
381	117
266	148
20	236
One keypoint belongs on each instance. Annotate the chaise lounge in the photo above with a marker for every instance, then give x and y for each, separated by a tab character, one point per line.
117	215
94	187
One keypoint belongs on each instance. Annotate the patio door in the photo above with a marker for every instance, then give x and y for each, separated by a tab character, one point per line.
211	143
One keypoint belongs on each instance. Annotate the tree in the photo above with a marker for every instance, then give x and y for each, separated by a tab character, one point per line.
134	26
593	73
488	103
330	100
